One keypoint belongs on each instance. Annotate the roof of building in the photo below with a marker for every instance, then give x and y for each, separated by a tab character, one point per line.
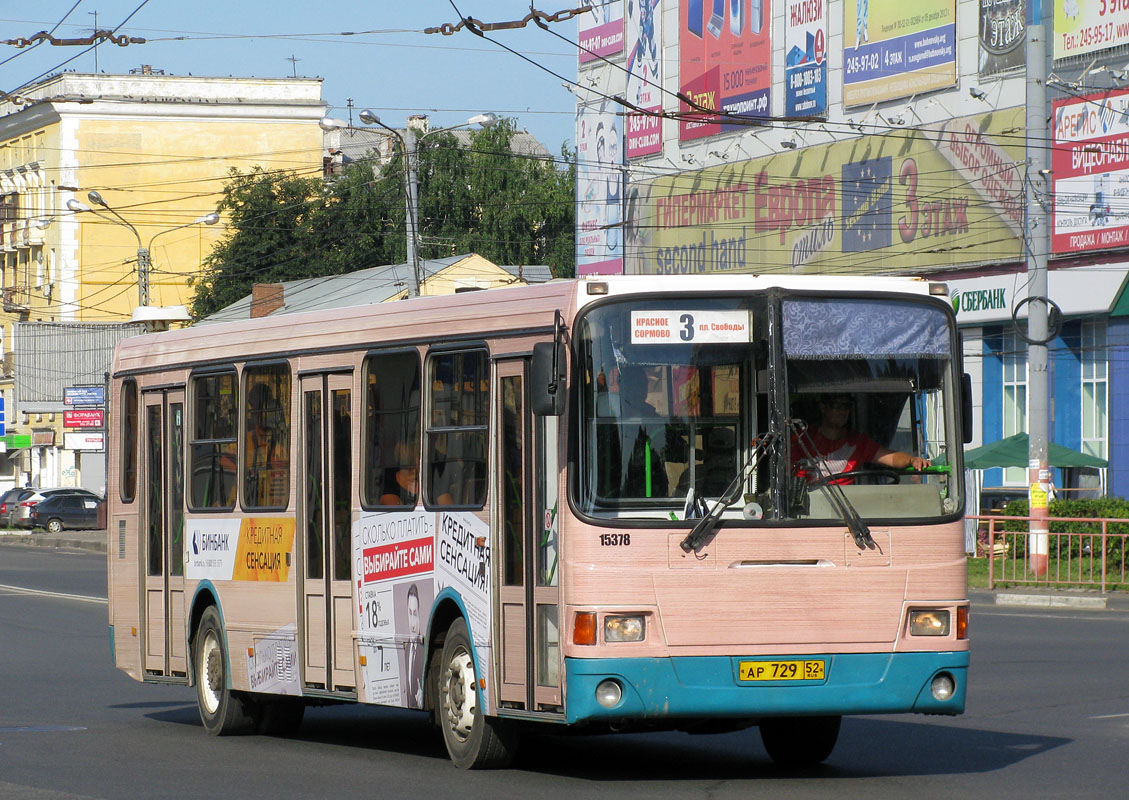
363	287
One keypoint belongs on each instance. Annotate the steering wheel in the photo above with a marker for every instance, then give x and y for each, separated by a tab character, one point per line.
888	475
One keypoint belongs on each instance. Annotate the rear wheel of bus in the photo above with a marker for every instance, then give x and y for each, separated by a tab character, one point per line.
800	741
474	740
222	711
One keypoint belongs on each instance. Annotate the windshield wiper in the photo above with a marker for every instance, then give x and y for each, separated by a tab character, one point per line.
851	518
708	522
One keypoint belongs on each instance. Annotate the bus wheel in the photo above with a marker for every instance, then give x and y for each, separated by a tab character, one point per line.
800	741
222	711
474	741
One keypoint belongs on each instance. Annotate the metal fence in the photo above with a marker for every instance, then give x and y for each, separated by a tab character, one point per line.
1082	553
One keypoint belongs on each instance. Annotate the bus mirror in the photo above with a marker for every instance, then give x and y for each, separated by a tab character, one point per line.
547	379
966	407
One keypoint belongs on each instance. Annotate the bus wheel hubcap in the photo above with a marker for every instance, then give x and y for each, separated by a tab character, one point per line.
461	695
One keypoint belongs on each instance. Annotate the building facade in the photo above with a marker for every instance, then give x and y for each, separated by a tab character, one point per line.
156	150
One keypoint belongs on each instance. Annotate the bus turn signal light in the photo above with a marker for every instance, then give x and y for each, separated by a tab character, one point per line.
962	622
584	628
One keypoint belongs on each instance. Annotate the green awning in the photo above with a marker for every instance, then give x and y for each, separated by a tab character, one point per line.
1013	452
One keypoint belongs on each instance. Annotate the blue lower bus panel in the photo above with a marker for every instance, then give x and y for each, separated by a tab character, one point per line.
723	686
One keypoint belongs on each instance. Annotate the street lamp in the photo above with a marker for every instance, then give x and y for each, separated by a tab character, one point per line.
409	141
143	263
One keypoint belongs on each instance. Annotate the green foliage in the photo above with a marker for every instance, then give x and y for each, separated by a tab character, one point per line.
483	198
1096	508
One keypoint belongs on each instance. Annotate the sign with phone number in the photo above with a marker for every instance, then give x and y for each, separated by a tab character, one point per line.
1085	26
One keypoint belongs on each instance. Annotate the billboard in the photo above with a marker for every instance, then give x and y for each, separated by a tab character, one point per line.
901	201
1003	35
895	49
644	77
725	63
805	58
1086	26
599	189
600	30
1090	169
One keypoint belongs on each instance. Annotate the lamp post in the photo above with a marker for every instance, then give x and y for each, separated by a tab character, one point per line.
409	142
143	262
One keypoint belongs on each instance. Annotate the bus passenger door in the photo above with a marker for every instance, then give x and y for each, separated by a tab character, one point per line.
162	526
526	485
325	523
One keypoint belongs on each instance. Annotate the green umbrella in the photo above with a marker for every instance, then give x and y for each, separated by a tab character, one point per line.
1013	452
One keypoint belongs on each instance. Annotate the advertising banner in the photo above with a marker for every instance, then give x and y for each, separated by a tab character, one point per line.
84	395
83	417
600	31
250	549
1090	168
644	77
895	49
805	58
901	201
1003	35
1086	26
725	53
599	195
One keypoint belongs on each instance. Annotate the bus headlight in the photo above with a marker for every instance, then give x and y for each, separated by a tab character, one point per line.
624	628
609	693
943	686
932	622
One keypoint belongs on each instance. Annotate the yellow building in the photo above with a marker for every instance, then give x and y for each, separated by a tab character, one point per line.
95	170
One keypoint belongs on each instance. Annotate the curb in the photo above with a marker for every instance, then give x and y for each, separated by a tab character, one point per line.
91	545
1051	601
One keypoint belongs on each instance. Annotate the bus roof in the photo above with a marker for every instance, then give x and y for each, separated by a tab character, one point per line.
486	313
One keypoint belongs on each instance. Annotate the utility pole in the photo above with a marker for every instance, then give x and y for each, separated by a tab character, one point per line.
95	15
411	176
1037	232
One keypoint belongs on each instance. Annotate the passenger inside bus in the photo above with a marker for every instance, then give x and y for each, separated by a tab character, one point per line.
645	475
831	447
401	483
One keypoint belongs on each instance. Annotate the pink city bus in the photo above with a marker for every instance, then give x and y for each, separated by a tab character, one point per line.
625	503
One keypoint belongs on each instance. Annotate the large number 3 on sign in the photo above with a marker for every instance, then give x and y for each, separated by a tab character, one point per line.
687	333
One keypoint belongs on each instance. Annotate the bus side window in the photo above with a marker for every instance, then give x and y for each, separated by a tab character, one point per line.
392	417
212	449
456	429
128	486
266	430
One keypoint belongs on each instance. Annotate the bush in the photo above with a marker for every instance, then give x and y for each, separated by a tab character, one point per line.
1103	507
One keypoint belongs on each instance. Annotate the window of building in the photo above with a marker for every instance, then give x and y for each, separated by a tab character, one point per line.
1013	353
127	487
266	425
458	384
1095	360
392	417
213	443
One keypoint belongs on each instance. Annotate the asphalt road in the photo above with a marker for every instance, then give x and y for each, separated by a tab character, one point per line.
1048	717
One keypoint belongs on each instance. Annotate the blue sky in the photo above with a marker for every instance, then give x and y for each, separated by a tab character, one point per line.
397	70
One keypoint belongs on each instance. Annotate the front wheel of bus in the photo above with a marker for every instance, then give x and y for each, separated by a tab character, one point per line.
222	711
474	741
800	741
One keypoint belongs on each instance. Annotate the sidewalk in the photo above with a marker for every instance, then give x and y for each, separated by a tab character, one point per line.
95	542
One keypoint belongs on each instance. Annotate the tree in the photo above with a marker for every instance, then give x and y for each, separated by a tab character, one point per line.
483	198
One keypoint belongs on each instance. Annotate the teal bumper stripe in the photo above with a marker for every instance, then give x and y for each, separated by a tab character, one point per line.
708	687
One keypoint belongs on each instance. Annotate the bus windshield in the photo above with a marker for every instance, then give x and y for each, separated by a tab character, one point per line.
855	395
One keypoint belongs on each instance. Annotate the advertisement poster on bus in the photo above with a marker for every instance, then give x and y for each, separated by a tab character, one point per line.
600	30
249	549
895	49
901	201
1003	35
1087	26
462	564
394	564
1090	169
644	77
599	185
272	664
805	58
725	63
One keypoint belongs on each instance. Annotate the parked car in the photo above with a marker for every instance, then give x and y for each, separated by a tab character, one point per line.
63	511
21	514
9	502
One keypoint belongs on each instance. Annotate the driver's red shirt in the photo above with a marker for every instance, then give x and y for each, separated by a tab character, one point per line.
838	455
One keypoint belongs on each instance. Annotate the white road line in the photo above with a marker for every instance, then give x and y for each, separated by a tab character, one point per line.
1109	716
82	598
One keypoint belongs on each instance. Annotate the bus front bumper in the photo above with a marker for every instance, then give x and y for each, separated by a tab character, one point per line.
693	687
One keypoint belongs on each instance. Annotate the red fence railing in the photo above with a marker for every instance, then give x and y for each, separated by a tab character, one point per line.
1081	551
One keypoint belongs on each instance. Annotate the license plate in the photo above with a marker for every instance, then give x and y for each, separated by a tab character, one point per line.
809	670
